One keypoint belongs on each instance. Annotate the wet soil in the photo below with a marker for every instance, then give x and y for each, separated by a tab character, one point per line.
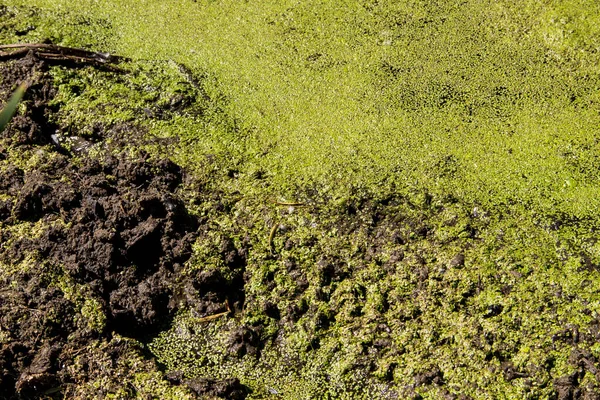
94	236
113	228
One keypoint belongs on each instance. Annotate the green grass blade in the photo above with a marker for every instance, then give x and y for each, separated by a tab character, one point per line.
11	107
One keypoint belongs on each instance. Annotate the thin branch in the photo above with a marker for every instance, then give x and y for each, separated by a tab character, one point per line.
66	51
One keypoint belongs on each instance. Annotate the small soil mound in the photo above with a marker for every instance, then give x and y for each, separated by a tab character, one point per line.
123	235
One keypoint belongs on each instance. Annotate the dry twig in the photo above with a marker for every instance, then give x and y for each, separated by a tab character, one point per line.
52	52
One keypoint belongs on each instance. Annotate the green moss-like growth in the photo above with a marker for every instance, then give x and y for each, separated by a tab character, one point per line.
378	300
446	157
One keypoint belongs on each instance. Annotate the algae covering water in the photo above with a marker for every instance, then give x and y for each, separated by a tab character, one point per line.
396	199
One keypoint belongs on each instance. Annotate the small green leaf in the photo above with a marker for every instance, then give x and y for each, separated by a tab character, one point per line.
8	111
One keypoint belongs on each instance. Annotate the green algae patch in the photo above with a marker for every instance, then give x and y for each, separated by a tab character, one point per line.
389	297
365	91
397	199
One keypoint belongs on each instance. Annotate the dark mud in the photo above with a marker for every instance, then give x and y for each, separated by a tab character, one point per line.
112	234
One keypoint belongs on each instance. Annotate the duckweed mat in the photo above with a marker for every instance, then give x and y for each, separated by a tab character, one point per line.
358	199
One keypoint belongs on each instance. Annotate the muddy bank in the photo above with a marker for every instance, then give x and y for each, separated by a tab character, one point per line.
122	274
92	247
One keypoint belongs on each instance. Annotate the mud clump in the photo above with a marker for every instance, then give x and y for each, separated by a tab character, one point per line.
111	234
206	388
123	234
34	126
571	386
37	320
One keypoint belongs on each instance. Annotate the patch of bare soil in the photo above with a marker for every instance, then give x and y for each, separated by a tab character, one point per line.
114	228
